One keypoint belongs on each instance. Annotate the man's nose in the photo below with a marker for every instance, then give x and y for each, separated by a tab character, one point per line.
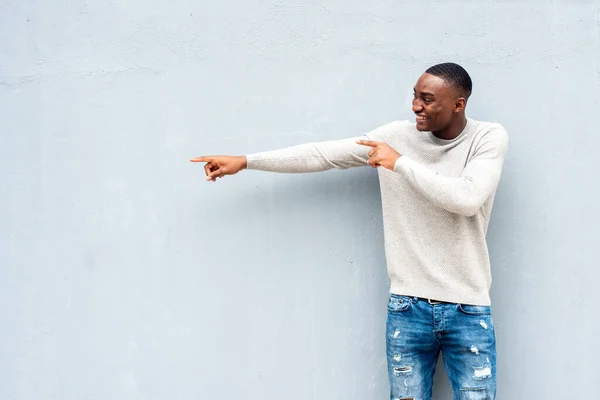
417	106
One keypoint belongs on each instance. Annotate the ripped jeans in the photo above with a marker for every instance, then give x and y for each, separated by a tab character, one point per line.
417	331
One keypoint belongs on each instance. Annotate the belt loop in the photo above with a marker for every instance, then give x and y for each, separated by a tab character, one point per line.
433	302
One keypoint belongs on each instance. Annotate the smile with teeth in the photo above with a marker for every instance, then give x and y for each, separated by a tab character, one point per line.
421	118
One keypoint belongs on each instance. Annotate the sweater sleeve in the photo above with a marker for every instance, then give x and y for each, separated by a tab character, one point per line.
466	194
315	157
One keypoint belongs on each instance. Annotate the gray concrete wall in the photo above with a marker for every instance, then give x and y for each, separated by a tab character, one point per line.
123	275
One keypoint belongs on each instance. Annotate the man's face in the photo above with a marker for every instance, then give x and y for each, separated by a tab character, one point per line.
435	103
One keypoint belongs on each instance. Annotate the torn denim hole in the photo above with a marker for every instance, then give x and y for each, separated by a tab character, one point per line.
475	394
482	373
404	370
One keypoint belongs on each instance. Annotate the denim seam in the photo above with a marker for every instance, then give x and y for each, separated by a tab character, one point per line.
398	311
448	372
462	310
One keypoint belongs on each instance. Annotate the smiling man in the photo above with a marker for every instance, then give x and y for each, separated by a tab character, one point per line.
438	178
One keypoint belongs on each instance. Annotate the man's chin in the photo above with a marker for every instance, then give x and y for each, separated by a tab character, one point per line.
422	127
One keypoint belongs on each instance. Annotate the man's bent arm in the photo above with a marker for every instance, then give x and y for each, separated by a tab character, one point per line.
464	195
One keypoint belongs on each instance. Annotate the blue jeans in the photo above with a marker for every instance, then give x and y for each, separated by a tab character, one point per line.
417	331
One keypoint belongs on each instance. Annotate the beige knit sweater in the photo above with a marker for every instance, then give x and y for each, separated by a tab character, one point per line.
436	202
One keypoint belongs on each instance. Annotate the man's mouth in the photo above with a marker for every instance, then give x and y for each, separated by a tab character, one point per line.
422	118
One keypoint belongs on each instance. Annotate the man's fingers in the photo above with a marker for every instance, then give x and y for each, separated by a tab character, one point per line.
213	176
370	143
217	173
374	162
208	168
201	159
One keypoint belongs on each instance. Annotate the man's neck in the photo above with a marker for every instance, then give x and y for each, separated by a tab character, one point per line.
456	127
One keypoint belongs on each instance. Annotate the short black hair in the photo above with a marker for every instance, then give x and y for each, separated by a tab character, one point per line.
454	75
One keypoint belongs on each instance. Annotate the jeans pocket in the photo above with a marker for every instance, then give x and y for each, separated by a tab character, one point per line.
398	304
475	310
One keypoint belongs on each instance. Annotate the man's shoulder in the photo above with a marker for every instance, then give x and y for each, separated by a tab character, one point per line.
490	132
484	127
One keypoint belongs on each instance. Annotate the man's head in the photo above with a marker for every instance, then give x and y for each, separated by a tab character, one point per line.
440	97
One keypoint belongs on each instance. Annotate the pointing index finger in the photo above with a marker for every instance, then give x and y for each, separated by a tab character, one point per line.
200	159
370	143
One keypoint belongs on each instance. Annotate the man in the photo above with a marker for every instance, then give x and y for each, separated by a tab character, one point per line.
438	180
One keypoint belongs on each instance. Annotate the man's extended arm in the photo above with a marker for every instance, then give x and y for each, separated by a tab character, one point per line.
310	157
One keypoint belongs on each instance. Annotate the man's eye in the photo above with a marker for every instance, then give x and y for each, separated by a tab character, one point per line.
427	101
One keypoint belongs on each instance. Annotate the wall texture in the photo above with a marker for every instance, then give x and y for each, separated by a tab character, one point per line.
123	275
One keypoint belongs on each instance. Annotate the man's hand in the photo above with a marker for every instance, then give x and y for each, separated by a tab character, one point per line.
219	166
381	155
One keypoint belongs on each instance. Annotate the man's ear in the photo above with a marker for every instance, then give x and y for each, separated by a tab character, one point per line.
460	104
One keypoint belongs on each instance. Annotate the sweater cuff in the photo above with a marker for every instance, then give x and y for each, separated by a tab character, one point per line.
402	163
250	161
